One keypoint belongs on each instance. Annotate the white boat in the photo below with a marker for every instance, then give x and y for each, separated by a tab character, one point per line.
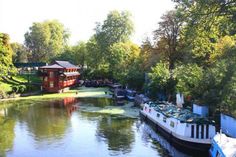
184	128
223	146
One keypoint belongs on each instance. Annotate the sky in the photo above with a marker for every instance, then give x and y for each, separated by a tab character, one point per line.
79	16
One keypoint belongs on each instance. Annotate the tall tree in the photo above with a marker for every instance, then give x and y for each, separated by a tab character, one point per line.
167	36
116	28
45	40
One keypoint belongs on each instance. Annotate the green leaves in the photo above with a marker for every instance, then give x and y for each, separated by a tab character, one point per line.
45	40
6	65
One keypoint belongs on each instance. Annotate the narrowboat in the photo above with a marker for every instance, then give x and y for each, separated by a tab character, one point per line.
223	146
184	129
130	94
119	93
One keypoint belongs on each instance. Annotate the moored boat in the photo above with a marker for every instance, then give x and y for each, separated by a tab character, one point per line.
119	93
185	129
130	94
223	146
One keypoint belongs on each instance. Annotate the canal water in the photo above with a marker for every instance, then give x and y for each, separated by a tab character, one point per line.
77	128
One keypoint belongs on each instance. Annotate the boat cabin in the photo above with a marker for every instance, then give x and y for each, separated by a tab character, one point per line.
59	76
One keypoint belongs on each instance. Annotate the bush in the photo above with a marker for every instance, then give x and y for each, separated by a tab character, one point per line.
19	88
22	88
15	89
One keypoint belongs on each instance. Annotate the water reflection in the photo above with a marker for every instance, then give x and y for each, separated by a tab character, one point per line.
117	132
6	132
158	139
59	128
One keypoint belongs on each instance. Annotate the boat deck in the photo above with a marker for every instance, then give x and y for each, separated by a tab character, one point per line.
184	115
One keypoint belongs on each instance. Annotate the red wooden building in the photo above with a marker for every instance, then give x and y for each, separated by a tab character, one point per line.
58	76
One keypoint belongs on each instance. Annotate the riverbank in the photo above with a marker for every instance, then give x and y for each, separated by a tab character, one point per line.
81	92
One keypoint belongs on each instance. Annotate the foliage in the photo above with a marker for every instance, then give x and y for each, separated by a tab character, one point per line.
123	57
74	54
116	28
19	88
188	77
6	65
159	78
20	54
149	55
167	36
45	40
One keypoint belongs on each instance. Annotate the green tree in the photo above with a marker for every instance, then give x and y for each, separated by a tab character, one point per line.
75	54
20	54
160	80
80	51
45	40
96	65
124	55
149	55
116	28
6	65
188	77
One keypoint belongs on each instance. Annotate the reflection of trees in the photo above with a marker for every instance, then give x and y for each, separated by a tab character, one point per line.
97	102
117	132
45	119
6	134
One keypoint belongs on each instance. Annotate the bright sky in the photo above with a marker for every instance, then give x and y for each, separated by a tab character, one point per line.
79	16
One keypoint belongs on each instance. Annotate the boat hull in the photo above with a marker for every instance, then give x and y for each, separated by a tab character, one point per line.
186	146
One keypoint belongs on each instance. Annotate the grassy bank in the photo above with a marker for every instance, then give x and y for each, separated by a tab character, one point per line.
79	92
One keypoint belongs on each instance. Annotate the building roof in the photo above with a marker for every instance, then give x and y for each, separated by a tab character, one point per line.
66	64
54	66
33	64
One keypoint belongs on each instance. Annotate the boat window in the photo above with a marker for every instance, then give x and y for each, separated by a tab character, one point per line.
192	131
158	115
207	131
197	131
172	124
202	131
164	119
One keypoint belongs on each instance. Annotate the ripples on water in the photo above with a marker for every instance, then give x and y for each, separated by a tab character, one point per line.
77	127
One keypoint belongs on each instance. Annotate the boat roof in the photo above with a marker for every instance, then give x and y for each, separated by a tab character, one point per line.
184	115
226	144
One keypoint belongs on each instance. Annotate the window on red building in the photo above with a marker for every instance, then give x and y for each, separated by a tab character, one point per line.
51	84
51	74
